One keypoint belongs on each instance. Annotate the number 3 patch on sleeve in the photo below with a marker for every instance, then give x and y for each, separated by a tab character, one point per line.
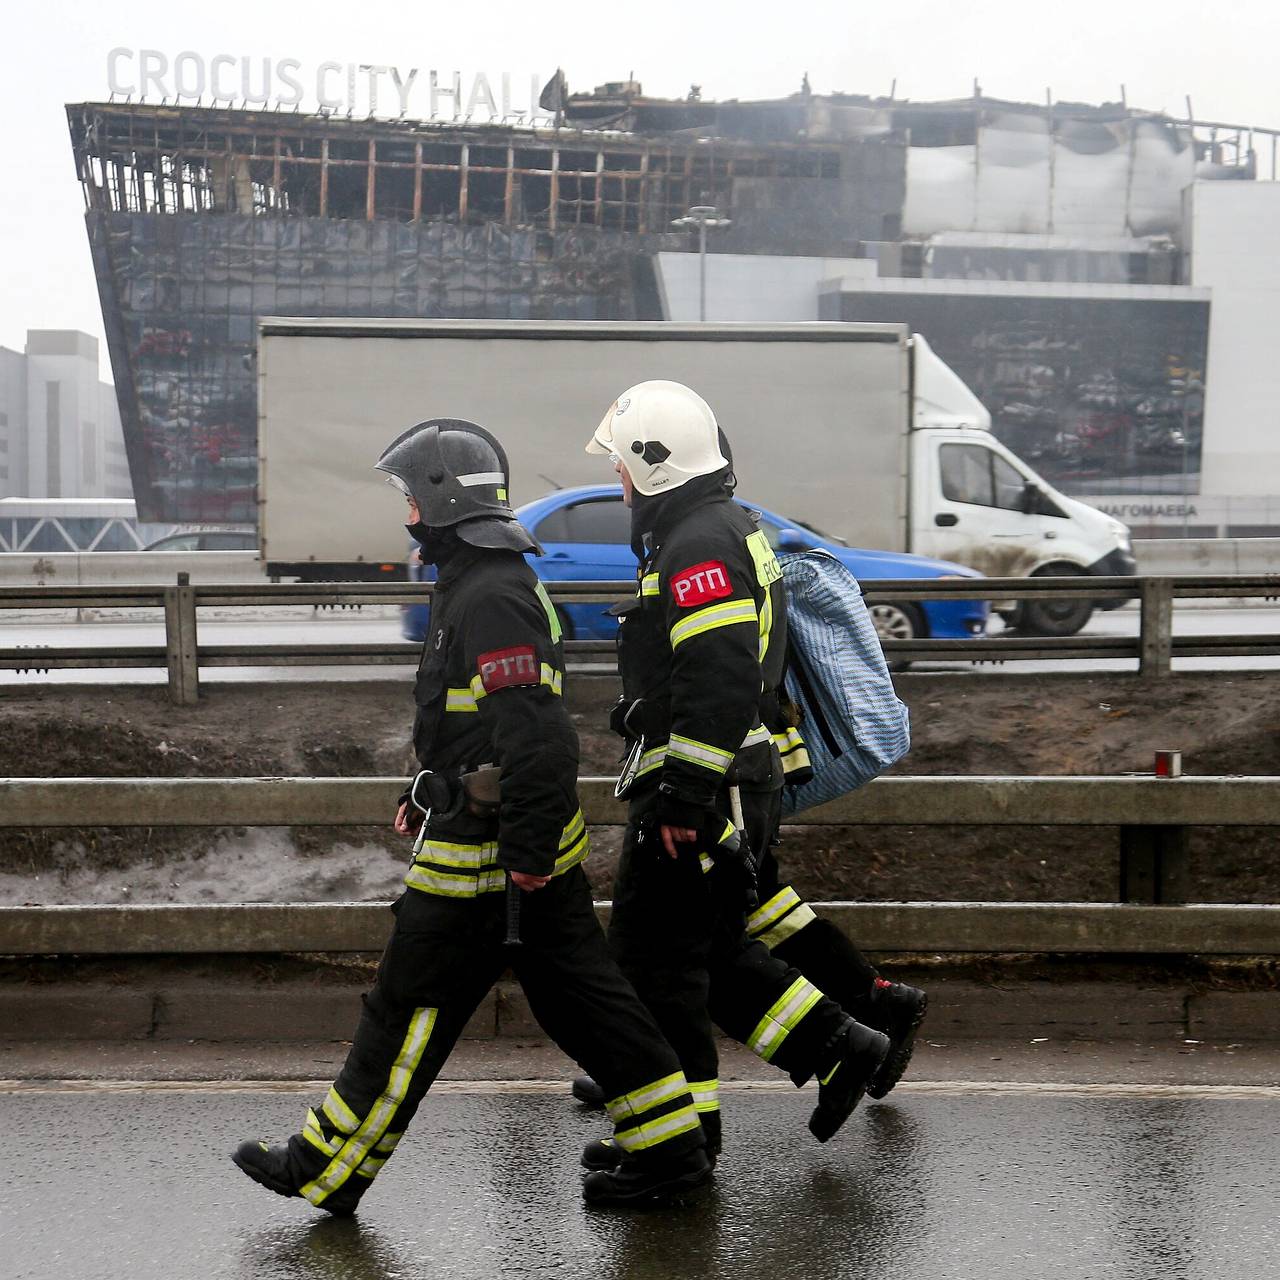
701	583
502	668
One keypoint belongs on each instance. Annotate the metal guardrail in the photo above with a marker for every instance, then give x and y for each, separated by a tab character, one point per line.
1153	648
1153	815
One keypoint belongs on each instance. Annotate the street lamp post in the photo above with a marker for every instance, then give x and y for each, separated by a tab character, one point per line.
702	216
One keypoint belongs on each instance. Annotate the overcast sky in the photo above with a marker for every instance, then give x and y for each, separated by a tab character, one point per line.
55	51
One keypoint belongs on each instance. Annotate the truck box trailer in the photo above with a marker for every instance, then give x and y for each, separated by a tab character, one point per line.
858	430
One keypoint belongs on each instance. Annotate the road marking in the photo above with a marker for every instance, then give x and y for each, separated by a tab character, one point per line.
496	1087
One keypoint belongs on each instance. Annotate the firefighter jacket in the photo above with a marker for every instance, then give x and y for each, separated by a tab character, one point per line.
488	691
702	650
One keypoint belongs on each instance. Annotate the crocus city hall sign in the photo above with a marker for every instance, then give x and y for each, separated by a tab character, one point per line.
352	88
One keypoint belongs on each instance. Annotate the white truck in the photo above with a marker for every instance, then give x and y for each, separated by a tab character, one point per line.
858	430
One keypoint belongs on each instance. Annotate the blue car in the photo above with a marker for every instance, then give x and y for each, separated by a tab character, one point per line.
585	533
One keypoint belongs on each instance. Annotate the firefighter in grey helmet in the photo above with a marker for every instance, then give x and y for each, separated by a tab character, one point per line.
457	475
489	700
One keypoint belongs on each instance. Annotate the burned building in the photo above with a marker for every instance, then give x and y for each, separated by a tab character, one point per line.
201	220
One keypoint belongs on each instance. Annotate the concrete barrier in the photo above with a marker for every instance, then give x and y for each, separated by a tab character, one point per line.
881	927
970	801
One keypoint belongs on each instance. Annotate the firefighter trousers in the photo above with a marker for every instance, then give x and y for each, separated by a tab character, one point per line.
678	929
443	957
788	926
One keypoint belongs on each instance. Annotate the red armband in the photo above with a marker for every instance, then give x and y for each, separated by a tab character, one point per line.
503	668
701	583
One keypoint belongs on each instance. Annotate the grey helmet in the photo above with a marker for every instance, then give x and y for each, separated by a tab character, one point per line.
458	475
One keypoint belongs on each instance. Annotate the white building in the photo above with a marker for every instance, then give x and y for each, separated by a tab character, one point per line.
60	433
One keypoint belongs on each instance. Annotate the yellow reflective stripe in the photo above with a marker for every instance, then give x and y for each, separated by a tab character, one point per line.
312	1132
316	1140
340	1115
793	923
552	678
553	618
790	744
653	1133
782	1017
459	700
769	913
703	753
713	616
647	1097
481	862
447	886
762	555
655	757
766	623
649	584
729	830
706	1094
576	853
477	856
705	862
389	1143
358	1146
577	825
371	1166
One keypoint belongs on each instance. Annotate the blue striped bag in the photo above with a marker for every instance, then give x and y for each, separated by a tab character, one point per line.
854	725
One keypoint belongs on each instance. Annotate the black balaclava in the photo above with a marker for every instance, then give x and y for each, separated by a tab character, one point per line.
438	545
651	512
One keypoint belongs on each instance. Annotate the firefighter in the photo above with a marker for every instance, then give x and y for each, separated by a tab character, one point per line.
786	924
700	653
488	694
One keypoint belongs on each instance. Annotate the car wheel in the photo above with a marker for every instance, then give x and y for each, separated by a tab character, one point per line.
1055	617
898	622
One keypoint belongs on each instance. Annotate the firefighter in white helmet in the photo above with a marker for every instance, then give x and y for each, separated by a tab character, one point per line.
701	652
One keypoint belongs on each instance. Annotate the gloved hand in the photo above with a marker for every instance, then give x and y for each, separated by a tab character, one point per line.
733	878
682	822
618	716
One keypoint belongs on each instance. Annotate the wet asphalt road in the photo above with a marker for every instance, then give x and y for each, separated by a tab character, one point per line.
957	1183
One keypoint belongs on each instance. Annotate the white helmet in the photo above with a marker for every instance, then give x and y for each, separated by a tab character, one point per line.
664	433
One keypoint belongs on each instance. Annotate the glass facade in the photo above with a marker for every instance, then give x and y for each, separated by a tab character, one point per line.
1101	395
186	291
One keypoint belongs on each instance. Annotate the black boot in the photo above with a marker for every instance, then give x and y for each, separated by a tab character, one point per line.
601	1153
604	1153
860	1052
897	1010
269	1167
587	1091
640	1184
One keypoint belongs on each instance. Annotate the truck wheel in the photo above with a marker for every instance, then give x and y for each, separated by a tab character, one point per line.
898	622
1055	617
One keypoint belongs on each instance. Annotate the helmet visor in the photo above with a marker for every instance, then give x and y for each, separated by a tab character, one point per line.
602	438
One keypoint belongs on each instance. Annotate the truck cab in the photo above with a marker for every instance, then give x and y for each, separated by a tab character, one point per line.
975	502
